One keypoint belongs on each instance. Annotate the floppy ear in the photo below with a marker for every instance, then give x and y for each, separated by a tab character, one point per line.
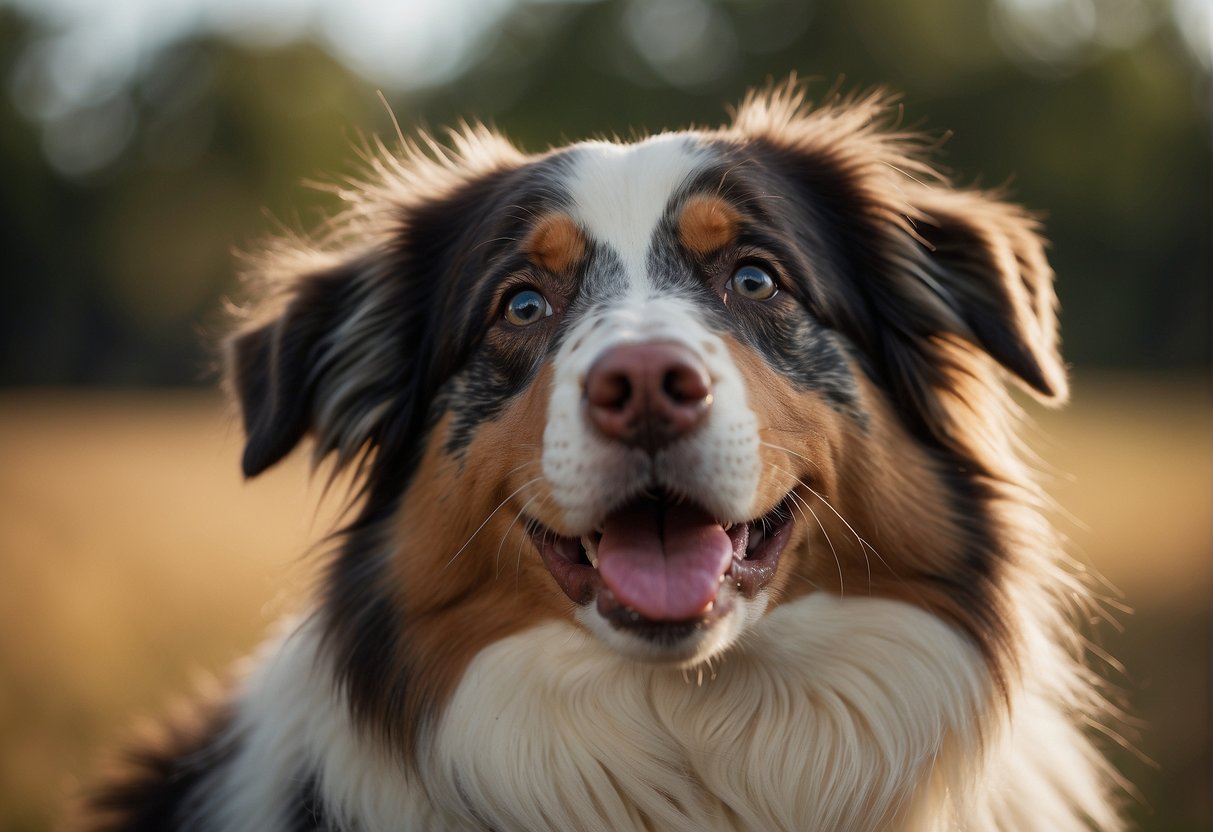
984	261
327	364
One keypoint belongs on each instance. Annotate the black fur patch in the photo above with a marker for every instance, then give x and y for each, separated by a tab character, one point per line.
159	787
309	814
272	368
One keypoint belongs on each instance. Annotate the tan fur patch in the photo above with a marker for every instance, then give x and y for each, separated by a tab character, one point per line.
469	574
556	243
873	517
707	224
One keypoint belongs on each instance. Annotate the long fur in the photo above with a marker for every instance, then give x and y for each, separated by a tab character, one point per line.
912	662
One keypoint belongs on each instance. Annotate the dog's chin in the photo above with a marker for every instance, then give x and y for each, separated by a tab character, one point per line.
678	644
659	580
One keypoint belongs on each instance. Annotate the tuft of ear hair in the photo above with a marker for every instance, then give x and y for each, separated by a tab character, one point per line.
344	354
326	364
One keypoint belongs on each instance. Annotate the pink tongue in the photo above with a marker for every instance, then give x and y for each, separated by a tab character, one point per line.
667	568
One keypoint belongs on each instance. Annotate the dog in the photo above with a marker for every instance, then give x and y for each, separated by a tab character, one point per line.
688	496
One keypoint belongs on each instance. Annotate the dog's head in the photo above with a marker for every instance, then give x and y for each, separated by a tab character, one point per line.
656	388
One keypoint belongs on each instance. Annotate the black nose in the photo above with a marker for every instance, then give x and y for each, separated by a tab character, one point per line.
648	395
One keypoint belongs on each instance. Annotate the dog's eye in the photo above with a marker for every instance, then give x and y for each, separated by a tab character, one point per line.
751	282
526	307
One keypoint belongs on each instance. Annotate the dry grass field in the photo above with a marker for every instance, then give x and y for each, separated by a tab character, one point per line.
135	562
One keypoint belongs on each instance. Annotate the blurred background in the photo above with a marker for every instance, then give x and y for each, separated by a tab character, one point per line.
142	141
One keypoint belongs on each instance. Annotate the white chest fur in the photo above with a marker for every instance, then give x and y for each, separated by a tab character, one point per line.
832	715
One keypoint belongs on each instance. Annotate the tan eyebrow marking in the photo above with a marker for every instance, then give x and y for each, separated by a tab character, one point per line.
707	224
555	243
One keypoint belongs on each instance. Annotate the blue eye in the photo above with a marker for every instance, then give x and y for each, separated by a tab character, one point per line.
527	307
751	282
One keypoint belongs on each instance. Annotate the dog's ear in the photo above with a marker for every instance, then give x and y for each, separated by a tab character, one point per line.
350	355
984	262
323	365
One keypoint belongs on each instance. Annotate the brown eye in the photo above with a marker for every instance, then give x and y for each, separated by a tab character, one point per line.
526	307
751	282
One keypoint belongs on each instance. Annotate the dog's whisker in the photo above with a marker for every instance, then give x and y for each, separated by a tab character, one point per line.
864	545
506	533
787	450
793	430
866	560
468	542
544	502
523	465
518	558
798	501
518	563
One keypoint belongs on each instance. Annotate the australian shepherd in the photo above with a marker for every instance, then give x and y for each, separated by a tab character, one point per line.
688	498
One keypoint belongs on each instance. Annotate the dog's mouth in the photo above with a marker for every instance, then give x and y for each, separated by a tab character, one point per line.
659	561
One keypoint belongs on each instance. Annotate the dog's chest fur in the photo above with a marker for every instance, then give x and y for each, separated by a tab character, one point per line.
551	731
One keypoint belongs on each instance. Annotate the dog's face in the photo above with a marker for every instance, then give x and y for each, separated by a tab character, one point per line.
654	388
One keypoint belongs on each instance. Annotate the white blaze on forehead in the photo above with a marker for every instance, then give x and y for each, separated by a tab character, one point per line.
620	192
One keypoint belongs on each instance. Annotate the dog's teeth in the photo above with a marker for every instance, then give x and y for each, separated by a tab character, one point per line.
590	543
711	605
